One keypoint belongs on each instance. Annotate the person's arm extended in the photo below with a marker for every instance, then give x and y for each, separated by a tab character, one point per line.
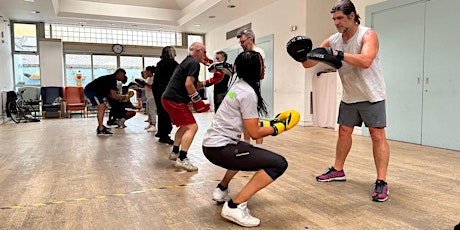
255	130
113	94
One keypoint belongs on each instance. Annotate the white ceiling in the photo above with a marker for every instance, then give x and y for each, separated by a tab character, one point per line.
176	15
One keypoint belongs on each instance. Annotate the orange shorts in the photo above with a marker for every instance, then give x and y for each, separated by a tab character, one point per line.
179	113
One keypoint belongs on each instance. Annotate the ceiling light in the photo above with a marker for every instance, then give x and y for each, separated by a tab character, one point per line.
35	12
197	25
29	0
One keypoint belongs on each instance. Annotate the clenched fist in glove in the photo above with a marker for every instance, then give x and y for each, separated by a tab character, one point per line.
199	104
283	121
128	96
218	76
298	48
326	55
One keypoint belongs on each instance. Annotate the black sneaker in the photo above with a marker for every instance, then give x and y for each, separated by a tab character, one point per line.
103	132
166	141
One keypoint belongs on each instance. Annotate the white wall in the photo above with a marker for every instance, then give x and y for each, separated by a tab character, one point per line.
6	66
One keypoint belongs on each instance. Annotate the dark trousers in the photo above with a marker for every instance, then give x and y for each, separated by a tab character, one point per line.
164	125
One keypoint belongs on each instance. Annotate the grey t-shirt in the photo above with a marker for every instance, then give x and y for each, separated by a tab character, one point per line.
227	125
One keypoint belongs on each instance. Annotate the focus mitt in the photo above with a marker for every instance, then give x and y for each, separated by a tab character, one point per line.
140	81
224	67
298	48
326	55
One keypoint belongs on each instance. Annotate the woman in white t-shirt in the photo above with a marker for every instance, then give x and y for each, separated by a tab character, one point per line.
222	143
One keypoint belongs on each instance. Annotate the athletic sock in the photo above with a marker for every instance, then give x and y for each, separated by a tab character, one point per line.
175	149
182	155
231	204
221	187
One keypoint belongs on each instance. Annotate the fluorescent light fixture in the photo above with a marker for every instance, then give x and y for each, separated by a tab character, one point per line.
35	12
29	0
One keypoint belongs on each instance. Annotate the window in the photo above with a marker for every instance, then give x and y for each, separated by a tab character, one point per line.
148	61
133	67
25	37
103	65
25	59
107	35
78	69
26	69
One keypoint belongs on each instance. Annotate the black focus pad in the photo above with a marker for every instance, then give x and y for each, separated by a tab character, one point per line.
298	47
224	67
325	55
141	82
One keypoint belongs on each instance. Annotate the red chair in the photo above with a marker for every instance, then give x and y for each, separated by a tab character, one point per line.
74	100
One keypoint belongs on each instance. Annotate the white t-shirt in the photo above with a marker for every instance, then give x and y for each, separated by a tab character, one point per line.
260	51
148	91
227	125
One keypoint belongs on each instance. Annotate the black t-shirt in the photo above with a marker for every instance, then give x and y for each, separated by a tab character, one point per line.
102	85
176	91
164	71
222	86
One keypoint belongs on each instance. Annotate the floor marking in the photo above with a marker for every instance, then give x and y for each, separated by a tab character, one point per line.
36	205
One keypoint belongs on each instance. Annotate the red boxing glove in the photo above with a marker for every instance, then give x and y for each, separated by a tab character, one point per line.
201	107
207	61
199	104
218	76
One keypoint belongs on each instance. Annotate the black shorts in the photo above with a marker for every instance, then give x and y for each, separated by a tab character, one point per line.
245	157
372	114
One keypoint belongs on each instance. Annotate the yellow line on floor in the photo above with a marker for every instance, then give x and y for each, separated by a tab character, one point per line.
113	195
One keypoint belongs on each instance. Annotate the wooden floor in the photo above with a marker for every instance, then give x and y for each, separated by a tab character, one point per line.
57	174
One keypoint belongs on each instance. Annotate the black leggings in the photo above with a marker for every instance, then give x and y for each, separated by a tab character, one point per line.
245	157
164	124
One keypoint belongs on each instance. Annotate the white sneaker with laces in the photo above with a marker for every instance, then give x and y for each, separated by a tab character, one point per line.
221	196
240	215
185	164
152	129
173	156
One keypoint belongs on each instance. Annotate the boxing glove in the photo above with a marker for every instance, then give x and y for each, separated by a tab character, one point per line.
224	67
285	121
326	55
127	96
218	76
298	48
199	104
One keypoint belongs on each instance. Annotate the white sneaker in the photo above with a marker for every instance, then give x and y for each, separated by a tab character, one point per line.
148	126
185	164
152	129
173	156
121	123
221	196
240	215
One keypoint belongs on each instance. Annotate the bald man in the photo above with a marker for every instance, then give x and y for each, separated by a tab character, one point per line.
181	90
